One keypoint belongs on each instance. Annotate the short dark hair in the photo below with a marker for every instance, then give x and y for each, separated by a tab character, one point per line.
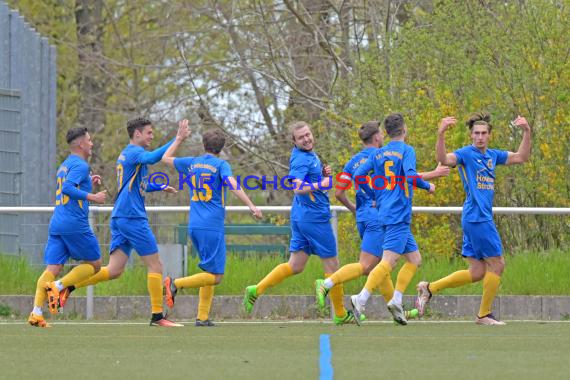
394	124
479	118
213	140
75	133
137	123
368	130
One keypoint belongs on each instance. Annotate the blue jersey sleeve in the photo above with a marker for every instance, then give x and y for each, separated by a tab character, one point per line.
153	157
299	169
409	165
225	170
462	155
75	176
363	170
502	156
182	164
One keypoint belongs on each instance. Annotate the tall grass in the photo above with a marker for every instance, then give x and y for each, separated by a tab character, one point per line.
527	273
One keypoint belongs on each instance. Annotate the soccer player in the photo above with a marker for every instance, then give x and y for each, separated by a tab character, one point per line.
368	224
129	222
481	242
209	178
310	222
395	164
69	232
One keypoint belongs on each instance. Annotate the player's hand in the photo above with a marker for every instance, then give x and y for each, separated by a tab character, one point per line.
522	123
255	212
446	123
327	171
170	190
442	170
96	180
431	188
183	130
98	198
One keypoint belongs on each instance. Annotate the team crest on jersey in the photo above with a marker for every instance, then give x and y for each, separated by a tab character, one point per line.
490	163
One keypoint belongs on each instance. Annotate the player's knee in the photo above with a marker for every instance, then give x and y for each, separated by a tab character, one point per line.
218	279
115	272
477	274
96	265
297	268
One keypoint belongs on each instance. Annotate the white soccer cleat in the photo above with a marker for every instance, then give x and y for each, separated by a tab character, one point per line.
357	308
397	311
424	296
489	320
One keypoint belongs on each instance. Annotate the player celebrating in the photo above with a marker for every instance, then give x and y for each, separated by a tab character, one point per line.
310	223
69	232
129	222
481	242
210	176
396	164
368	224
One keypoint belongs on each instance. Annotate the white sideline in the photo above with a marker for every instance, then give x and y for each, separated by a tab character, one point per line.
304	322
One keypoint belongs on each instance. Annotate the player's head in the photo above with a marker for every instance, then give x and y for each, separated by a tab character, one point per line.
480	129
214	141
302	135
79	141
395	126
370	133
140	131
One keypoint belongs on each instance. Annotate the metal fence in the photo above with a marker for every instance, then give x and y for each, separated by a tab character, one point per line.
27	129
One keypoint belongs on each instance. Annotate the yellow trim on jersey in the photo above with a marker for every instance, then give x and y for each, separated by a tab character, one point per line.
134	176
312	196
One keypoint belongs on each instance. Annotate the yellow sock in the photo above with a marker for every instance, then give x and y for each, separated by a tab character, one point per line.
102	275
347	273
196	281
154	285
405	276
491	283
206	295
461	277
41	295
377	276
386	288
278	274
80	273
336	294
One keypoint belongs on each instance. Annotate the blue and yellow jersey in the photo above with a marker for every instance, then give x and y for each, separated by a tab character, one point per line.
394	175
132	180
364	210
313	206
477	171
71	214
206	178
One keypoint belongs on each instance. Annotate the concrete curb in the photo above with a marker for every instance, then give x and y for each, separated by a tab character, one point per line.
554	308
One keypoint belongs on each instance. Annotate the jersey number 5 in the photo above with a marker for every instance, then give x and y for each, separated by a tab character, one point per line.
197	194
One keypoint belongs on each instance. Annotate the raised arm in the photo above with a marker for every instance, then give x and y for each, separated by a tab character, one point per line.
448	159
523	153
183	133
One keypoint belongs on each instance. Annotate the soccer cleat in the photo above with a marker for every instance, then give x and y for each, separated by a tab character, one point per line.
64	296
206	323
411	314
163	322
397	312
489	320
52	297
424	296
321	293
348	318
37	320
250	298
357	309
171	291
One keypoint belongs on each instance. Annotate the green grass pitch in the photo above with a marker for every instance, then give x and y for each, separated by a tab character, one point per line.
286	350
